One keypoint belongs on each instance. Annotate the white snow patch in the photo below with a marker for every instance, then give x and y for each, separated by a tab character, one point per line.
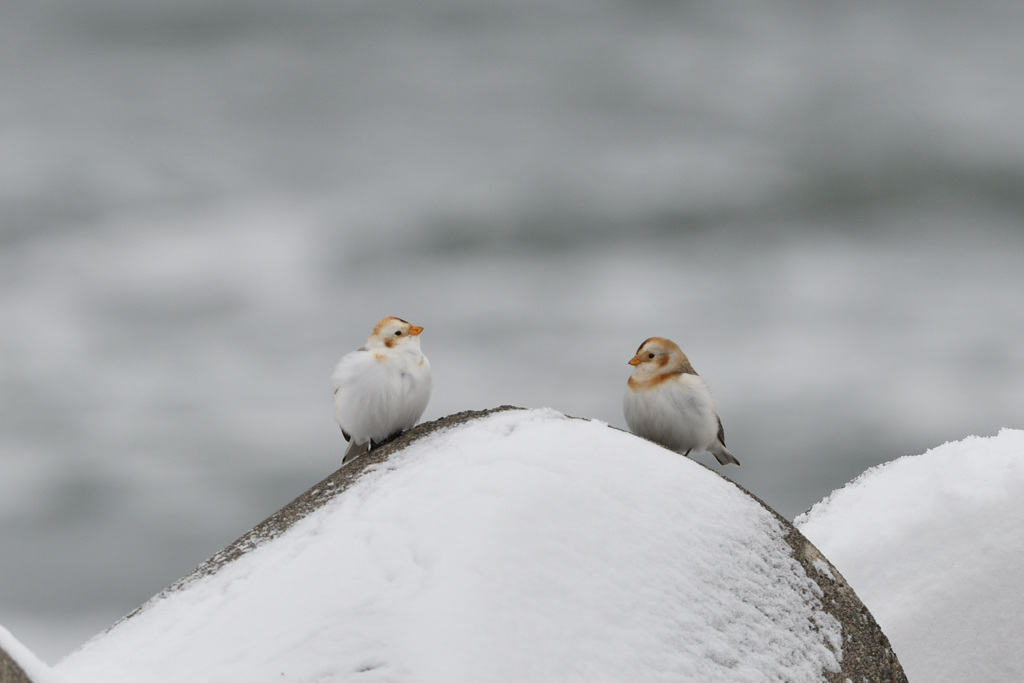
822	568
522	546
33	667
932	544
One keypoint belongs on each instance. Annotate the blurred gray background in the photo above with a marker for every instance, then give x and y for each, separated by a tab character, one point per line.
205	203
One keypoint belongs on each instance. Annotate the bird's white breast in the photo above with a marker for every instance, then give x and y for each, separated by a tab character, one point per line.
679	413
379	393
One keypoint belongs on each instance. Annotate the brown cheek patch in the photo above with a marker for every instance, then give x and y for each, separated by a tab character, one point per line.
389	342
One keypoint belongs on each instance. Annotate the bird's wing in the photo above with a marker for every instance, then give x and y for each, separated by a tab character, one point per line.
349	368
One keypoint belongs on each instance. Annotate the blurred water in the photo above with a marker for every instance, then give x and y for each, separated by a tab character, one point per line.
204	204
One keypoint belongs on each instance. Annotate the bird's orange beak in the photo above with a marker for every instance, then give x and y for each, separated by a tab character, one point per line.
635	360
415	329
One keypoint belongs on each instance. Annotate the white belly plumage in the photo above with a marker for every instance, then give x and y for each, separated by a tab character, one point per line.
678	415
374	400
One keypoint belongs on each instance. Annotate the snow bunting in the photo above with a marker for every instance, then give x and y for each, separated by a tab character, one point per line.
382	388
667	402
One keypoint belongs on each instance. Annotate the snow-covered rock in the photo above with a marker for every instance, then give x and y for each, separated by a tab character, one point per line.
508	545
10	670
934	545
19	665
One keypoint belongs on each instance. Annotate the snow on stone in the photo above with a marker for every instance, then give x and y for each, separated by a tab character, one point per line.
934	546
522	546
32	666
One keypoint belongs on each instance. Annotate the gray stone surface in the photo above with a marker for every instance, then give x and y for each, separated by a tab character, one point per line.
867	655
10	672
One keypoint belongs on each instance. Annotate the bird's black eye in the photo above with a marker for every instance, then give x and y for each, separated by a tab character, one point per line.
398	333
650	355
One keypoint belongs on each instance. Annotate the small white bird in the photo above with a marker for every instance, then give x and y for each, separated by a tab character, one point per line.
667	402
382	388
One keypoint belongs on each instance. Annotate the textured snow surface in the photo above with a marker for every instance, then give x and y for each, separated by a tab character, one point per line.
934	546
522	546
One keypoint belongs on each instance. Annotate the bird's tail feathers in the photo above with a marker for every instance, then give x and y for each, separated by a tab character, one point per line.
722	454
354	450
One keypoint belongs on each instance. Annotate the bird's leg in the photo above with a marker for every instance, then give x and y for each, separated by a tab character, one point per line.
687	453
386	439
